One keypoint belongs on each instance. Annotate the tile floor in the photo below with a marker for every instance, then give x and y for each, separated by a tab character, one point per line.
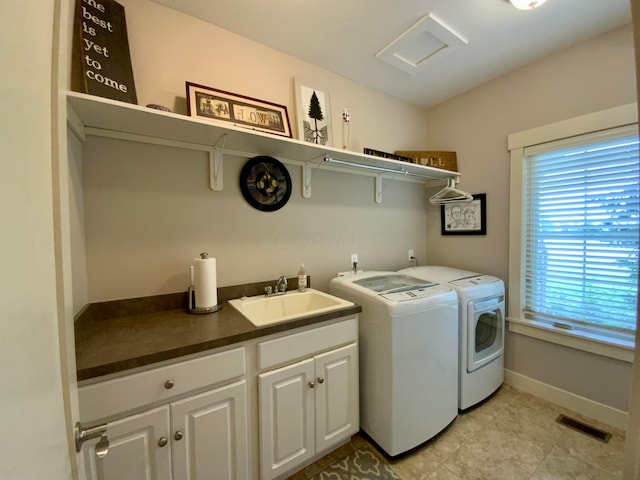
511	436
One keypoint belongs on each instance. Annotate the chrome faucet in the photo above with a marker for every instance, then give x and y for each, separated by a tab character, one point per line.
280	288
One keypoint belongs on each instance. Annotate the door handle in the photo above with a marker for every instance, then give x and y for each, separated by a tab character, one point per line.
83	434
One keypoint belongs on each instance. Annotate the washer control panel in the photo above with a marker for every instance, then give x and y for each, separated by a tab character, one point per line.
414	292
475	280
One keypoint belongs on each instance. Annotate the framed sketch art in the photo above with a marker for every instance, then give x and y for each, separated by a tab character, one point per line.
220	106
313	113
465	218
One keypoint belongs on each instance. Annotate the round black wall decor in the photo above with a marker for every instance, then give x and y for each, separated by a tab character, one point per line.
265	183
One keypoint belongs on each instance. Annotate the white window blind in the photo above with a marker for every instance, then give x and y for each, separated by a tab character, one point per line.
581	232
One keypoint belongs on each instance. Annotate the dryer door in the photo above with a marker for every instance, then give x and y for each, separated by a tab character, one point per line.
485	331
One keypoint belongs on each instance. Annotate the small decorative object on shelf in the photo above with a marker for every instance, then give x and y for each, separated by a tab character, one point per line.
391	156
218	105
437	159
314	113
155	106
346	120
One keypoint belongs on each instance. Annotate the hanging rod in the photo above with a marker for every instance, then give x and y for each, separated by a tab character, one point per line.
369	167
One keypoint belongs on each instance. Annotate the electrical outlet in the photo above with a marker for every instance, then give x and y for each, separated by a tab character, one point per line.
410	254
354	258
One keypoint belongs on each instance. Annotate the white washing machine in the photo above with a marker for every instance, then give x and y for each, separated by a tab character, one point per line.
408	341
481	316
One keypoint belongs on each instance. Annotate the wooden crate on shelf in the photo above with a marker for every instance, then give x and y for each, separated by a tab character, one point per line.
438	159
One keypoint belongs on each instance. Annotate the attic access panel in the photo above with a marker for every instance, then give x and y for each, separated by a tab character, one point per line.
426	40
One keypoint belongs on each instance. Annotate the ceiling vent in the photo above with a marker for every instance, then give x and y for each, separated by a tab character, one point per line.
423	42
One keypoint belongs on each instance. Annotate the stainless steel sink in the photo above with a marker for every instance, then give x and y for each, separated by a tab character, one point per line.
262	310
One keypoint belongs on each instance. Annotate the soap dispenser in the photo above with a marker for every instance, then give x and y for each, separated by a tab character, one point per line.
302	278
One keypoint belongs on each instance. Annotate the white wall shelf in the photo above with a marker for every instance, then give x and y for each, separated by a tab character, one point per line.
91	115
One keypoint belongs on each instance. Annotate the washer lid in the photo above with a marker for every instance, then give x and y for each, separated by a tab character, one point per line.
392	282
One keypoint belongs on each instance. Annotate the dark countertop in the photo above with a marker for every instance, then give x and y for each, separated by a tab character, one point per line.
116	336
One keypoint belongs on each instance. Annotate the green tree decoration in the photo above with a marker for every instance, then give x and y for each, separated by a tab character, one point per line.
315	134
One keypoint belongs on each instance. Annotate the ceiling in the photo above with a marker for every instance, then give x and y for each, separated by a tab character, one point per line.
344	36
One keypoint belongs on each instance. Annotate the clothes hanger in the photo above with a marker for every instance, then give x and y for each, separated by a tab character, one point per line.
450	194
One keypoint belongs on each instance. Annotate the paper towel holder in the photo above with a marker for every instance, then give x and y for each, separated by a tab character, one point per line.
197	310
191	308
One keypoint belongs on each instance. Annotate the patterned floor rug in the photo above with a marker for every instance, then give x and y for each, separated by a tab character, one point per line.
362	464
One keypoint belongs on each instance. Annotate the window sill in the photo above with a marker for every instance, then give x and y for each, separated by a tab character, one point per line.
618	349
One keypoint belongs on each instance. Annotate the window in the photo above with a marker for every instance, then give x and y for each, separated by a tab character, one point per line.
577	257
581	260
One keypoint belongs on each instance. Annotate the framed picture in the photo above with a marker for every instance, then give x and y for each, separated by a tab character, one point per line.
218	105
313	113
465	218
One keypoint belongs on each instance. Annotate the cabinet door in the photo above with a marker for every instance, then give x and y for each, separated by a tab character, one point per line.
337	411
286	418
209	435
138	449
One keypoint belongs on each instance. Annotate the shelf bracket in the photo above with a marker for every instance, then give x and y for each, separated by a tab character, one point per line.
308	175
215	164
213	152
380	187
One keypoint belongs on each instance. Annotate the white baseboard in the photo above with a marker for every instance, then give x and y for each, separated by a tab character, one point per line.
598	411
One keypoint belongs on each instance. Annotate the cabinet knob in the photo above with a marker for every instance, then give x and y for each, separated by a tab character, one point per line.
162	441
312	385
178	435
320	379
169	384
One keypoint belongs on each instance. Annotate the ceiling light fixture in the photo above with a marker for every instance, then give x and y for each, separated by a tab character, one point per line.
527	4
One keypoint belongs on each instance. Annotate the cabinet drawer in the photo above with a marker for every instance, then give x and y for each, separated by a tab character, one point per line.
111	397
303	344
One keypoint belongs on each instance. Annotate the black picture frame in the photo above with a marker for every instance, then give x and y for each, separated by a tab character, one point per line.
265	183
219	106
465	218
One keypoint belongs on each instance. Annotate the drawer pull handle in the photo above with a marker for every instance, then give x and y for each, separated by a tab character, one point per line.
162	442
312	385
320	379
178	435
169	384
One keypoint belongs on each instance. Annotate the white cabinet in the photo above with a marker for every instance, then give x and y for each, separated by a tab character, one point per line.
336	396
286	418
192	419
138	449
199	437
209	435
309	406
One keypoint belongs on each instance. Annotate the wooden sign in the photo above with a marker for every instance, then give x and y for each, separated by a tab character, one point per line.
101	58
444	160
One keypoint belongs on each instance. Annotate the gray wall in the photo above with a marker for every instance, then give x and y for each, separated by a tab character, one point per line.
33	417
149	211
588	77
144	212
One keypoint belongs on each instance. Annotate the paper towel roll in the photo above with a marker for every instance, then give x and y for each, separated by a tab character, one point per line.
205	283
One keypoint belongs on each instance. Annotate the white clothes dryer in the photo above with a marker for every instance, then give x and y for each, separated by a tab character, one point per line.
482	322
408	337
